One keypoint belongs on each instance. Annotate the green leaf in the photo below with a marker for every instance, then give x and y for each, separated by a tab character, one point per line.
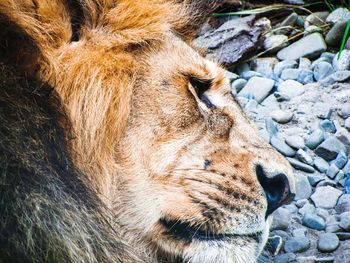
345	37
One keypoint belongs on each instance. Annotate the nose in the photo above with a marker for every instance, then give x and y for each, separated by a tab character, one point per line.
276	187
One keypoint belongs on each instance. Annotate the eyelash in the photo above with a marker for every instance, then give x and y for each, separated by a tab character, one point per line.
201	86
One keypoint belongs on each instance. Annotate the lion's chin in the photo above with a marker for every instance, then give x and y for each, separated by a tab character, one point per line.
240	249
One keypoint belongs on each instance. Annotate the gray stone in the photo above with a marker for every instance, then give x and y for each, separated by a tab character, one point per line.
314	179
316	18
271	127
274	43
341	160
258	87
303	187
335	35
287	23
344	222
297	245
231	76
280	97
325	114
282	147
322	70
315	139
238	85
312	29
320	59
330	148
327	182
290	73
304	63
307	209
347	124
343	236
288	257
305	76
251	106
343	63
301	166
285	64
309	46
344	111
343	204
295	141
281	219
299	232
339	14
328	55
304	157
327	259
340	178
333	228
322	213
332	171
250	73
321	164
339	76
328	242
344	137
314	221
281	116
326	197
291	88
264	66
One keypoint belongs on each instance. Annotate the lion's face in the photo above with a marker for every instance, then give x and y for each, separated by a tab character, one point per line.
194	175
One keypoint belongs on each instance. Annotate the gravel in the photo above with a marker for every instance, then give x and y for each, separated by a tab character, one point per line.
326	197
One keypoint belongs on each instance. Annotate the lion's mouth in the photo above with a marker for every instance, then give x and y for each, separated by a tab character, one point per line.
183	230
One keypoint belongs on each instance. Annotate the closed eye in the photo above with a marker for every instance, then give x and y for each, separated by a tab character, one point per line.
201	86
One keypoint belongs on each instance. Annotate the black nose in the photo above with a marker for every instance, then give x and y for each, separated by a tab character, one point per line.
276	187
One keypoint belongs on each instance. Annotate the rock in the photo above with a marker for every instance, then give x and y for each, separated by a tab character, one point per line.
304	157
304	63
326	197
326	114
285	64
291	88
234	39
301	202
314	221
332	171
328	55
274	43
295	141
344	111
251	106
238	85
299	232
333	228
285	258
282	147
322	213
344	137
335	35
281	219
297	245
343	236
231	76
305	76
314	179
329	259
303	187
343	204
317	19
301	166
264	66
330	148
290	73
344	222
280	97
281	116
320	59
328	126
322	70
287	24
347	124
307	209
258	87
327	182
263	259
309	46
340	178
328	242
339	14
249	74
346	168
343	63
315	139
341	160
339	76
321	164
312	29
271	127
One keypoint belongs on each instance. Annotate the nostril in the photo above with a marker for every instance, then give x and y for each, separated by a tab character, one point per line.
276	189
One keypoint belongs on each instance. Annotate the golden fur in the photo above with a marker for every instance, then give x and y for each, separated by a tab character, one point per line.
148	144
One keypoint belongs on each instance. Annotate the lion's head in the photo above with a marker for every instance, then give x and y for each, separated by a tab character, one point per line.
155	128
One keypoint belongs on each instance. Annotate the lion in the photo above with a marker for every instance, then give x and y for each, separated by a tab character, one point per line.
120	142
